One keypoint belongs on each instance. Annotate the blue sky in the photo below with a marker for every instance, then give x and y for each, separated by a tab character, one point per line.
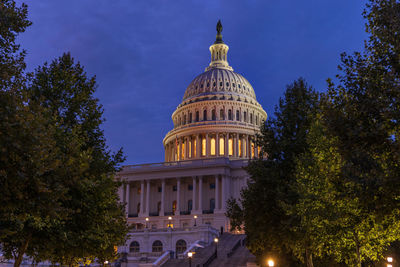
145	53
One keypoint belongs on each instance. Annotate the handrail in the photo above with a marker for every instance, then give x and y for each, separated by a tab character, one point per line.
162	259
230	253
210	259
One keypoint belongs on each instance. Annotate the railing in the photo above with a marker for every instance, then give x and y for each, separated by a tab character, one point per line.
185	212
162	259
194	245
230	253
196	162
210	259
208	211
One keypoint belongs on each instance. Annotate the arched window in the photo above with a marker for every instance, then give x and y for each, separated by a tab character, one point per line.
205	115
197	116
180	246
134	247
212	204
229	114
184	119
190	205
190	117
237	115
157	246
138	208
213	116
221	114
251	118
245	116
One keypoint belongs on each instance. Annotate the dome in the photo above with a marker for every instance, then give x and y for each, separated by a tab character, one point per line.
219	81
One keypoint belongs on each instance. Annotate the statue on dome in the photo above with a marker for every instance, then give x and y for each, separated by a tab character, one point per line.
219	27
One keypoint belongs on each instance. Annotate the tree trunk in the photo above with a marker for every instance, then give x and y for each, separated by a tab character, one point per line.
21	252
309	260
359	264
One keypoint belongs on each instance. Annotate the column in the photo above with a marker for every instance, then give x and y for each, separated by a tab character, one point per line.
178	196
248	144
148	198
216	192
162	209
217	144
141	198
226	145
179	149
207	145
127	196
236	143
224	193
198	146
201	194
194	195
243	146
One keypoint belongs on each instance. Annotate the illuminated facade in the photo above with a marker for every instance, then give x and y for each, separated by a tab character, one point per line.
181	202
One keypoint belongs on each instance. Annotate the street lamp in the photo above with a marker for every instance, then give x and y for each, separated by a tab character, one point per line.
271	263
190	255
169	222
216	245
389	259
147	220
195	217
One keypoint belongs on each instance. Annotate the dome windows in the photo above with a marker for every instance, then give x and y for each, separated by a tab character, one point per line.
237	115
220	84
213	115
227	84
205	115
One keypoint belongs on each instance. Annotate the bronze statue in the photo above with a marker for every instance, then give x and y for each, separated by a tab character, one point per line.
219	27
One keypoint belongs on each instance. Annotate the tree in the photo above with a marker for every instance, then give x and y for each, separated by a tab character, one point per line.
269	193
355	151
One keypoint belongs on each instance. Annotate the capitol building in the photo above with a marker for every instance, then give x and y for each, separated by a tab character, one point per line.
179	205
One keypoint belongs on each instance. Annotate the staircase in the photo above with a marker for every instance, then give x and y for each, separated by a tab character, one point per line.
238	257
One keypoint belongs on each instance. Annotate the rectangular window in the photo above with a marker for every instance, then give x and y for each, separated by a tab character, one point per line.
212	146
203	147
245	116
194	148
240	147
177	152
190	149
230	147
212	186
159	189
197	116
190	117
190	187
183	151
221	146
174	188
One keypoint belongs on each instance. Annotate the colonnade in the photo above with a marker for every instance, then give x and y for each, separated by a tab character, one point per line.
211	145
222	192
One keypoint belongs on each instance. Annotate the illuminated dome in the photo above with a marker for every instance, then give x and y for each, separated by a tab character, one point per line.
219	115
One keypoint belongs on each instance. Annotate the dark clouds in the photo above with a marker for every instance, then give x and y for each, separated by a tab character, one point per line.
145	52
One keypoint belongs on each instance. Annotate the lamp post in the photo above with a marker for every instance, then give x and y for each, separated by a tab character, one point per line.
169	222
390	261
216	247
190	255
271	263
195	217
147	220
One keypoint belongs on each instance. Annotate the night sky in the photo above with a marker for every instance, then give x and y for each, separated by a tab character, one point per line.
146	52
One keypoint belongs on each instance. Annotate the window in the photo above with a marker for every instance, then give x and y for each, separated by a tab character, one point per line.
174	206
213	116
221	146
157	246
230	148
233	84
190	117
183	150
203	146
174	188
229	114
197	116
237	115
239	85
212	146
212	204
178	154
212	185
190	205
214	84
159	189
220	84
221	114
256	120
251	118
227	84
205	115
134	247
180	246
190	149
138	208
240	147
179	121
252	150
190	187
194	148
